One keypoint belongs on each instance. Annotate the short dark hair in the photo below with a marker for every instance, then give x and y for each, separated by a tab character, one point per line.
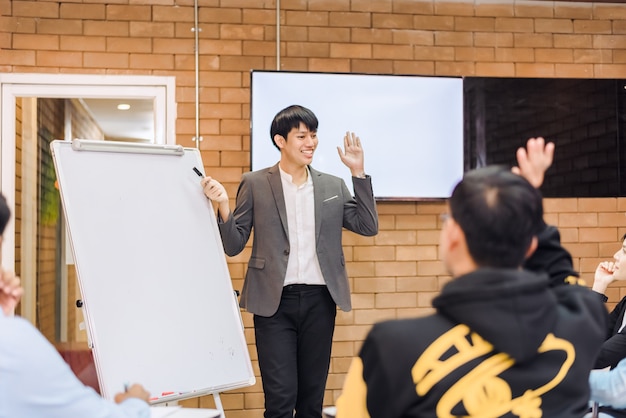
499	212
5	213
291	117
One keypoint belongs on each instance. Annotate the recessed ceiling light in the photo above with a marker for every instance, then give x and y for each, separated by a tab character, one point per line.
123	106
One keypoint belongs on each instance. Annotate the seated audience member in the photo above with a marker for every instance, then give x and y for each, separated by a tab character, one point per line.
608	389
504	341
614	348
34	379
549	257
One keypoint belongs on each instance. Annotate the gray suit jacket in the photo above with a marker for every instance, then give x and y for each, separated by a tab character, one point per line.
261	204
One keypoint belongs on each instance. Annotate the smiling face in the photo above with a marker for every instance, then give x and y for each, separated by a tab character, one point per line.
619	272
296	151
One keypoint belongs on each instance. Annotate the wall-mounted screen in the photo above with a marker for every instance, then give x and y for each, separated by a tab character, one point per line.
585	118
411	127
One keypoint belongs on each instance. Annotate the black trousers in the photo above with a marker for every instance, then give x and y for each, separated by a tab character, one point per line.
294	347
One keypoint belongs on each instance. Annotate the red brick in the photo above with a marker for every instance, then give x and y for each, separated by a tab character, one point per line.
60	26
58	58
494	9
414	67
119	44
534	70
504	24
18	57
609	41
247	32
306	18
127	12
35	42
454	8
391	21
473	24
453	39
554	55
175	13
435	53
151	61
105	60
592	26
433	22
104	28
338	35
82	11
37	9
394	52
574	70
83	43
572	41
259	17
332	65
151	29
350	20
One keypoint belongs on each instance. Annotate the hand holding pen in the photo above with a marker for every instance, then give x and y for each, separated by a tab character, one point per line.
133	391
216	192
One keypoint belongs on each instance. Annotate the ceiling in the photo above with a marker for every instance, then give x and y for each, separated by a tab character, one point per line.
135	124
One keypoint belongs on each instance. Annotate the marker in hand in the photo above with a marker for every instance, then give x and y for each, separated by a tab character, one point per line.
197	172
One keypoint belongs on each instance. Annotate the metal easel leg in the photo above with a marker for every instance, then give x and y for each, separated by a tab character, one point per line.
218	404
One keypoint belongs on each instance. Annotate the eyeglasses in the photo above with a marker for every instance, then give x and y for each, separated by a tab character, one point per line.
444	217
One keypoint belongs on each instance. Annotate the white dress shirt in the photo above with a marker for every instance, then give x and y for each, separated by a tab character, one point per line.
36	382
303	266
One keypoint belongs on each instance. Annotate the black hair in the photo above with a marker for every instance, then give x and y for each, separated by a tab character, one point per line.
291	117
499	212
5	213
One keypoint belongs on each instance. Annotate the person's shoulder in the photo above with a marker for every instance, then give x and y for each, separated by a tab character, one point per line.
20	332
254	176
324	176
260	172
581	303
394	328
15	322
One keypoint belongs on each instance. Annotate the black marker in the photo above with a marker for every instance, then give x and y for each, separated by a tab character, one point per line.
198	172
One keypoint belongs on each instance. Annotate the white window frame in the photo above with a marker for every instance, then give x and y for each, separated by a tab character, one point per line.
161	89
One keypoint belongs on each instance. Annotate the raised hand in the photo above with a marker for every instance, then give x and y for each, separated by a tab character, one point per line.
534	160
352	154
10	292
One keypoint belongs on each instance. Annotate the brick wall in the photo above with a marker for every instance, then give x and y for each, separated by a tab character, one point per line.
396	273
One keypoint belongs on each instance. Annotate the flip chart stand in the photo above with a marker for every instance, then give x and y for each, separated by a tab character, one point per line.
156	290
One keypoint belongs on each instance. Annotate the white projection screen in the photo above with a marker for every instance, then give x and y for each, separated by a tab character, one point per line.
411	127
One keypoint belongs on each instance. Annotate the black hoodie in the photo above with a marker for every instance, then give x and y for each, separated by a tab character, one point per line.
502	343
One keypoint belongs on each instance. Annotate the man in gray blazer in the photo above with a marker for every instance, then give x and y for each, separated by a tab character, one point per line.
296	274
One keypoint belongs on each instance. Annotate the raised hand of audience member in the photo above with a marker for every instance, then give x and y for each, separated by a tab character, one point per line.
10	291
534	160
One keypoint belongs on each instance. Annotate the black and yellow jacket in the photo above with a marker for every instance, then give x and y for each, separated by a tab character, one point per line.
502	343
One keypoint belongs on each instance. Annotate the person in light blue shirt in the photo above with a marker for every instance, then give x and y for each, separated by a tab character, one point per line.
608	389
35	381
